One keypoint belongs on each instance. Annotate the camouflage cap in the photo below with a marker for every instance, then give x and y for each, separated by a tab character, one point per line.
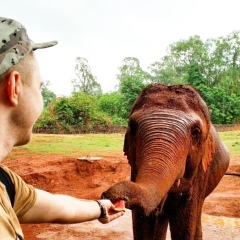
15	43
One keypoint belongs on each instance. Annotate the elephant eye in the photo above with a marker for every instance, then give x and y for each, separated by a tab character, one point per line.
196	133
133	127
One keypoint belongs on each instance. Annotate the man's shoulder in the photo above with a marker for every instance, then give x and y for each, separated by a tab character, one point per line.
5	168
10	172
7	181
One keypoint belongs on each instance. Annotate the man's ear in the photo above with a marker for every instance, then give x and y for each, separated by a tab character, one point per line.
13	87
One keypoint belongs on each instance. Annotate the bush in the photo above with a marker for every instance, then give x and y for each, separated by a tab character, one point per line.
76	114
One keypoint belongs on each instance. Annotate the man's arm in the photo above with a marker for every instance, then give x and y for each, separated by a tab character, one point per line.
57	208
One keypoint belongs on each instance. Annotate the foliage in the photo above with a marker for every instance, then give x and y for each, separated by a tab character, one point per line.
211	66
119	121
46	120
224	108
132	79
85	81
130	88
112	104
48	95
224	104
76	113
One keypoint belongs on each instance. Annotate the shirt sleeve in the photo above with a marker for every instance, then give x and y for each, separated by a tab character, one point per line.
25	195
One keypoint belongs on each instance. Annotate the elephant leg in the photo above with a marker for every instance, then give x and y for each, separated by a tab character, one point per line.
184	224
149	228
161	226
185	216
198	234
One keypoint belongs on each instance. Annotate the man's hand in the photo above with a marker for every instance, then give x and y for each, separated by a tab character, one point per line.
110	213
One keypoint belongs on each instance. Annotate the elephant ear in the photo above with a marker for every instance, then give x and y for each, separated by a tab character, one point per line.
128	149
208	152
126	145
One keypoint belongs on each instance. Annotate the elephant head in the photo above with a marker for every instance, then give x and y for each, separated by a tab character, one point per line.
168	139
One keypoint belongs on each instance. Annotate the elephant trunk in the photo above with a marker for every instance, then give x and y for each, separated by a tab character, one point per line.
147	192
160	155
150	186
135	196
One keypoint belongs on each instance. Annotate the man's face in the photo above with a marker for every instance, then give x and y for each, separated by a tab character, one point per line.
30	102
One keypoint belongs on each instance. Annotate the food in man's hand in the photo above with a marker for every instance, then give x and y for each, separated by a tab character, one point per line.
119	206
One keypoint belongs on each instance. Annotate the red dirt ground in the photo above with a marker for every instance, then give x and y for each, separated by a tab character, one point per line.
84	179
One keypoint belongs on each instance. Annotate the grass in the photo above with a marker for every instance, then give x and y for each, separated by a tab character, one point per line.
70	145
232	141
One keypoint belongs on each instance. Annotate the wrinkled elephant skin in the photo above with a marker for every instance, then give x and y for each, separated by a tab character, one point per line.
176	159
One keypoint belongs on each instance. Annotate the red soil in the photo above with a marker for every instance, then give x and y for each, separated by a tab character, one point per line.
85	179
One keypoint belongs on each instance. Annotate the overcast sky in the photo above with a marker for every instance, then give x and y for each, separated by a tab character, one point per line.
107	31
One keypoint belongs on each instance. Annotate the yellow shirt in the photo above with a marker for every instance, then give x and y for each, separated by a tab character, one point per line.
25	198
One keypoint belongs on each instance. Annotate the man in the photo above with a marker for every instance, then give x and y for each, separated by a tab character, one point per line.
20	105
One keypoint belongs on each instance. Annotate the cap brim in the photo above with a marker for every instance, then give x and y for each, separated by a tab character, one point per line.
43	45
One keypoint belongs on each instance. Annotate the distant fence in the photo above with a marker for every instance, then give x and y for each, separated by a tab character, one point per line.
118	129
227	127
79	130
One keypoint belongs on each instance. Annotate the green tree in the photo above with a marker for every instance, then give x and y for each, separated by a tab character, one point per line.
132	79
212	66
48	95
227	54
224	104
85	81
172	68
194	77
224	108
112	105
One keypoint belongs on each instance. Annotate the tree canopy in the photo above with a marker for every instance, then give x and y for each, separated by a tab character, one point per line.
211	66
85	80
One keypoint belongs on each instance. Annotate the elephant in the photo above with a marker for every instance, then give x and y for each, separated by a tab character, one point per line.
177	159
